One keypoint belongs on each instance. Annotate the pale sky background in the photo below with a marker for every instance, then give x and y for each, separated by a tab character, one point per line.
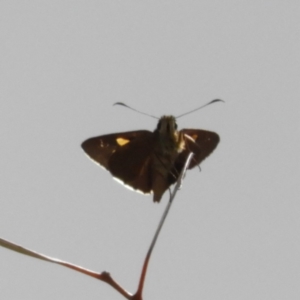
234	229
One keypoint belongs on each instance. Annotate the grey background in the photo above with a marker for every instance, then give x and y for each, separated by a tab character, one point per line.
233	232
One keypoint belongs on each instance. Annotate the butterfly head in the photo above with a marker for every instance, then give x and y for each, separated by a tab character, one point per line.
167	125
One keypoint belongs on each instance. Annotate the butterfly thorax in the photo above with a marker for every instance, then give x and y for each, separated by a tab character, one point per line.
169	143
169	140
167	146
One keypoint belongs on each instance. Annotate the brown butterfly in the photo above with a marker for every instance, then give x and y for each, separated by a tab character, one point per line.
151	161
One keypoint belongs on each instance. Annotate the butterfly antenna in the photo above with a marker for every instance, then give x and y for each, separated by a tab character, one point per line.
123	104
211	102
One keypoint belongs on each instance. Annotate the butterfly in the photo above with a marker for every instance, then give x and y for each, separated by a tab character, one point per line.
150	162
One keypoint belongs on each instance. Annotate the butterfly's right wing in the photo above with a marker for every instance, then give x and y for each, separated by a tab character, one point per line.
201	143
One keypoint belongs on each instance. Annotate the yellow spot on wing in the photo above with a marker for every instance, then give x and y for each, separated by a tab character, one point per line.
194	136
122	141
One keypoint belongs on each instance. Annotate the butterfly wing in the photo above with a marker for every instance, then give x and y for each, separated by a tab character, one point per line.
127	155
200	142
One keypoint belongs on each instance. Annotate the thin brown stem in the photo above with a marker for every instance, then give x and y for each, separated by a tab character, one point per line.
139	292
105	276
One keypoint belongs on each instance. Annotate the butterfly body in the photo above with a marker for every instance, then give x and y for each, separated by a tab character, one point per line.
151	161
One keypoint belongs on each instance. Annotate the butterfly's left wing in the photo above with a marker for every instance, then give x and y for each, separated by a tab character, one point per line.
127	155
200	142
